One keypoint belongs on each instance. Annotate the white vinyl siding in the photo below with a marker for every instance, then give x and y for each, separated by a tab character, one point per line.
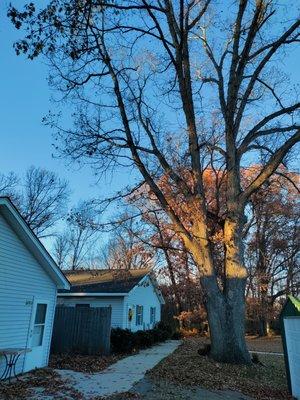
141	295
116	304
21	280
145	295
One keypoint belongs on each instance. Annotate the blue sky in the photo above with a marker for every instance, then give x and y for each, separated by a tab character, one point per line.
24	100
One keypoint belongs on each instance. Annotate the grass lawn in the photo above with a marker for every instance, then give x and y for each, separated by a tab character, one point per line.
185	367
271	344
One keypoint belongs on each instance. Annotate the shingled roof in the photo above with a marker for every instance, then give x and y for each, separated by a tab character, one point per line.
104	280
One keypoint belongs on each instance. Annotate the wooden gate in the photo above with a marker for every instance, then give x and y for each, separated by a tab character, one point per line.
81	330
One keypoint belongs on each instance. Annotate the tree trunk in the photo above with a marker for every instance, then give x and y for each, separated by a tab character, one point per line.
263	328
225	306
178	304
226	318
228	323
263	281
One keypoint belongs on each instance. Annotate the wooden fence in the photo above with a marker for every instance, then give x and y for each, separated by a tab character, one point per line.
81	330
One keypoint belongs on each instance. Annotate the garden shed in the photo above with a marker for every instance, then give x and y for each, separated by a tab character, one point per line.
290	331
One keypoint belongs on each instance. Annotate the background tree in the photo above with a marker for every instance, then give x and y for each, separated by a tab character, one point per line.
61	249
149	61
41	197
125	249
43	200
8	184
80	236
273	245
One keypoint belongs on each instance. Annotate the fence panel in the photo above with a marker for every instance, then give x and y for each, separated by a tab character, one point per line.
81	330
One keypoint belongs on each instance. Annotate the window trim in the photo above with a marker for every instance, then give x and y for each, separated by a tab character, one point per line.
139	309
37	302
152	315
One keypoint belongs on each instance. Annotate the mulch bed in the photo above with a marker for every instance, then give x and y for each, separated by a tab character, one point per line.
185	367
79	363
36	385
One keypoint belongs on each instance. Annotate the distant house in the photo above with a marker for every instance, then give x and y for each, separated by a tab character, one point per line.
29	279
132	294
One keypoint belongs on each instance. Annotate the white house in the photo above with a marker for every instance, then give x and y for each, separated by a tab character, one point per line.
29	279
132	294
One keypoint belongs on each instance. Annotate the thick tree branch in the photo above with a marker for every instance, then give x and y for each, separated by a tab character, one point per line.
271	166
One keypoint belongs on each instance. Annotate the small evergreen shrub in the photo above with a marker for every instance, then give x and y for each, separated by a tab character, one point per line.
125	341
144	339
160	335
177	335
162	326
122	340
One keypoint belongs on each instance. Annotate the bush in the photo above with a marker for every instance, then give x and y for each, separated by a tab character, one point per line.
189	332
167	328
122	340
177	335
125	341
161	335
144	339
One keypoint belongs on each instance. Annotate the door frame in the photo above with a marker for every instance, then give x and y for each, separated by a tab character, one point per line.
36	300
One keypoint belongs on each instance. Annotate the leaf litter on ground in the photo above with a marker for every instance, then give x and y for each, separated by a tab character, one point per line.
81	363
185	367
38	384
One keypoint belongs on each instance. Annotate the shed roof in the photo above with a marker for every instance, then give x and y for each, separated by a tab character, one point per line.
104	280
290	308
295	302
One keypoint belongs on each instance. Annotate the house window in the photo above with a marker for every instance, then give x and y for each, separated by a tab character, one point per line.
152	315
39	325
139	315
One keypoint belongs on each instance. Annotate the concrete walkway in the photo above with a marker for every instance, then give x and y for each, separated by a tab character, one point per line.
121	376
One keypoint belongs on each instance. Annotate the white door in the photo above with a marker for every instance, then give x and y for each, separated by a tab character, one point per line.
36	357
292	334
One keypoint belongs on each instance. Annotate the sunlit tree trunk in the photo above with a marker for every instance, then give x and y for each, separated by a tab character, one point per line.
225	306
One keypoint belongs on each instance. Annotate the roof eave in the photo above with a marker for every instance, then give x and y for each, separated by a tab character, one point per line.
89	294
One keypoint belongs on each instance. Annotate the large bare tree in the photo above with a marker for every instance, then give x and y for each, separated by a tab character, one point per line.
160	84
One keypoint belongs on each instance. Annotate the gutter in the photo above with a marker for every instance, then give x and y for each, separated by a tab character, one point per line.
92	294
